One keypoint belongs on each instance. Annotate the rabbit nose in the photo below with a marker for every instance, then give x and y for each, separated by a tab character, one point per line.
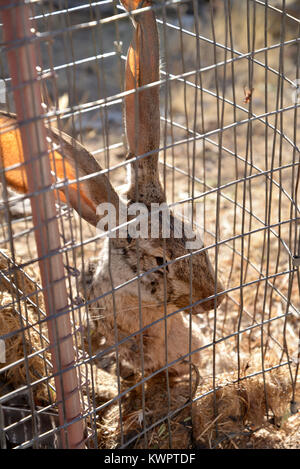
212	303
217	300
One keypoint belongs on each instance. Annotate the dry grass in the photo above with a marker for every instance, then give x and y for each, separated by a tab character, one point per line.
238	410
243	414
17	314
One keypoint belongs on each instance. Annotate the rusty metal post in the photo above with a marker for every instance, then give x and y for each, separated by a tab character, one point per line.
21	53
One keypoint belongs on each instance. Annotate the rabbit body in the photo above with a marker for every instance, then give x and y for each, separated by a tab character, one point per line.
127	313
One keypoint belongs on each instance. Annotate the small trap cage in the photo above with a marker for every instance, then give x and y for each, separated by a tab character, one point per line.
110	341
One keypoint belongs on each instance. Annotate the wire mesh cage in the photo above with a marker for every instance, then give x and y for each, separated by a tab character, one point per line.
149	331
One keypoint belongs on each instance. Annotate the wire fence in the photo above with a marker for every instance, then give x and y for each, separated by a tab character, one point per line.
163	313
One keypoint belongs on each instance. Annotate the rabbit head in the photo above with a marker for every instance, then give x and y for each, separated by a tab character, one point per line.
139	289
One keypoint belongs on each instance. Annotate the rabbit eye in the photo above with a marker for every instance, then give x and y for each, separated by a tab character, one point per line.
160	261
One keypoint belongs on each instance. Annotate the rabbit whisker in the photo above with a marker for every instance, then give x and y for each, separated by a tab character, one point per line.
149	305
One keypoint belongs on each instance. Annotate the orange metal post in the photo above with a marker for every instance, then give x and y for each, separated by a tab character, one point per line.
21	54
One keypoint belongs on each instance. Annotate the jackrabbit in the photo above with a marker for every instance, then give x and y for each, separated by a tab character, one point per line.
135	282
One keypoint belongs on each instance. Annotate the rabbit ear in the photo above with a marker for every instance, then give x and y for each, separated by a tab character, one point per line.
142	114
70	162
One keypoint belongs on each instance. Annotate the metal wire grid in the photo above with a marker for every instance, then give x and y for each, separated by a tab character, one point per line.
183	129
